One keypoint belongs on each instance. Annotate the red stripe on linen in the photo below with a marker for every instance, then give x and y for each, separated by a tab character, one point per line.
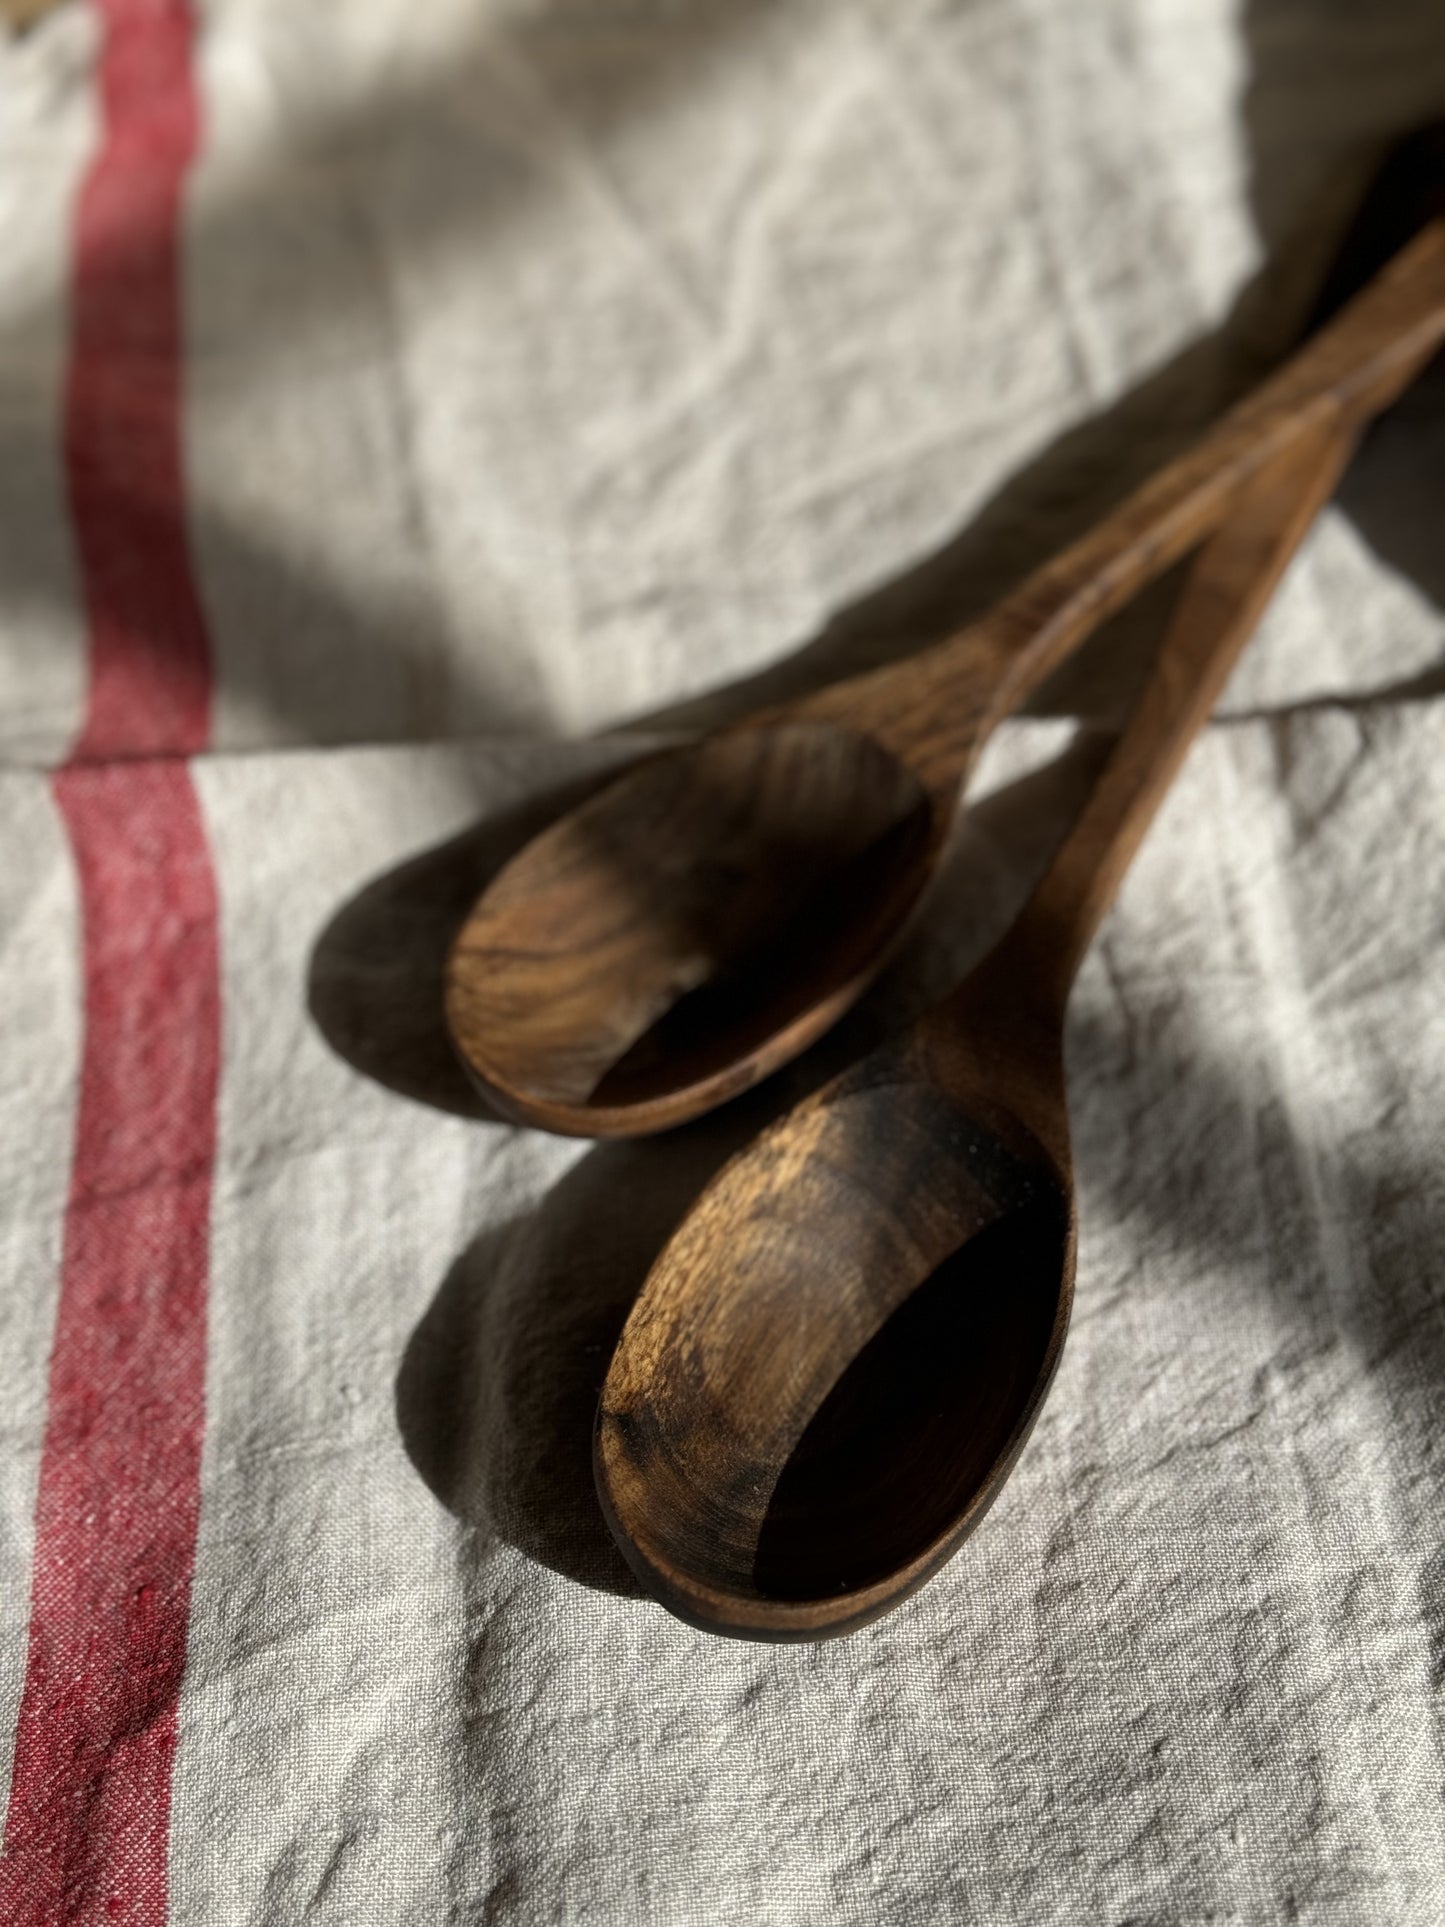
87	1830
149	659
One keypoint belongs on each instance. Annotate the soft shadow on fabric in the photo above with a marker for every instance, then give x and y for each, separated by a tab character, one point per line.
375	980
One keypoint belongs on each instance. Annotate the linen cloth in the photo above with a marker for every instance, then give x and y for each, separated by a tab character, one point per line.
546	371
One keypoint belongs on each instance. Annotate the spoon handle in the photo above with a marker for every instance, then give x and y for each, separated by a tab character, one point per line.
935	708
1223	598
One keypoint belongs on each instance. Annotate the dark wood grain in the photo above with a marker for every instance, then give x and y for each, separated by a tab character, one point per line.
667	938
837	1359
710	914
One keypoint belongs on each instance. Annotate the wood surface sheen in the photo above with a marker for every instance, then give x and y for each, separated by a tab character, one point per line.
835	1362
705	917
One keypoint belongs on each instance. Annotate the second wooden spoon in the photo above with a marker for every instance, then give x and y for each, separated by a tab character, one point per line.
836	1360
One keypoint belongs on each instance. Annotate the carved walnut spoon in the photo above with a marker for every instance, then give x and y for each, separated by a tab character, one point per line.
707	915
835	1361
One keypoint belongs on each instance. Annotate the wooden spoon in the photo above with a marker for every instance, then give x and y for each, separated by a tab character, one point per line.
714	910
836	1360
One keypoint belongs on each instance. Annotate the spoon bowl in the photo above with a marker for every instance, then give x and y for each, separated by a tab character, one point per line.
694	924
837	1360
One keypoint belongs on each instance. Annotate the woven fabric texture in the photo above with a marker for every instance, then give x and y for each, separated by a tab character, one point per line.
409	413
